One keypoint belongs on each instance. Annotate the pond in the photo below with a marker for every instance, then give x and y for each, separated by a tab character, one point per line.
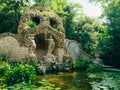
68	81
72	81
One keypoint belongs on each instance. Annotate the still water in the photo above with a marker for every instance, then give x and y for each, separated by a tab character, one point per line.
72	81
67	81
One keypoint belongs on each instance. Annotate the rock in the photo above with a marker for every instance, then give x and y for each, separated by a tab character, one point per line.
43	23
10	46
47	23
75	51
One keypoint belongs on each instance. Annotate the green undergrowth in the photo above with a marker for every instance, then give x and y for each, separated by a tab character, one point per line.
18	73
88	66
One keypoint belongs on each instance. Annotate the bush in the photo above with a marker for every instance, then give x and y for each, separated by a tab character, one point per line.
4	57
31	62
32	24
83	64
94	68
19	74
49	69
3	67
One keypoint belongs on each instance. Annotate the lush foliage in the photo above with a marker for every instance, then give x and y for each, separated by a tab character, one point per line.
39	86
88	65
10	12
106	80
94	68
18	74
86	30
89	32
83	64
56	5
110	46
3	67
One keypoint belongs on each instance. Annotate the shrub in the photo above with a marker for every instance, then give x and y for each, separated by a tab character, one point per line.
3	67
68	62
83	64
31	62
49	69
59	67
4	57
19	74
94	68
32	24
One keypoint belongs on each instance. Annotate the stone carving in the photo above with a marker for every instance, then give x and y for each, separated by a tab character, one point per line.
66	45
50	61
32	45
49	58
41	68
51	44
47	24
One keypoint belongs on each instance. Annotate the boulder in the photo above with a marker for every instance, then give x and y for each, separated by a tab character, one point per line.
10	47
74	49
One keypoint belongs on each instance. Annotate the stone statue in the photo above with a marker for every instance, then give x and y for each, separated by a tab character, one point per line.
32	45
51	44
50	61
66	45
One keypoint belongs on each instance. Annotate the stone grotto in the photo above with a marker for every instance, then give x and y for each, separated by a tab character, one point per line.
41	36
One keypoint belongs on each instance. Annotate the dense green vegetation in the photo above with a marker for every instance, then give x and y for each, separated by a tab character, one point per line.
110	45
23	74
91	33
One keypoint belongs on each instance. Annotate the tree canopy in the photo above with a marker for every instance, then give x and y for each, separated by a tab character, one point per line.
111	48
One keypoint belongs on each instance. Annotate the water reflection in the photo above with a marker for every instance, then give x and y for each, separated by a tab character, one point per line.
68	81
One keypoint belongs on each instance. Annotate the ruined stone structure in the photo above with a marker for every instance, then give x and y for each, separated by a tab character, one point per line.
47	24
41	36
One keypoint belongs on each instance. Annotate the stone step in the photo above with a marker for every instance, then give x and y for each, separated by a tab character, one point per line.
106	66
112	69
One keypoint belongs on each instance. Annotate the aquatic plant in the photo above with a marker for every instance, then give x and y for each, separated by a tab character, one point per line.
109	81
26	86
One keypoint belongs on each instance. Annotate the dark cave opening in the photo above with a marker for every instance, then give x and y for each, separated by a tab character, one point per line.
36	20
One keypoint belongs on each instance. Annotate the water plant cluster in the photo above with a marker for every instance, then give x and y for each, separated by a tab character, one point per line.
105	80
